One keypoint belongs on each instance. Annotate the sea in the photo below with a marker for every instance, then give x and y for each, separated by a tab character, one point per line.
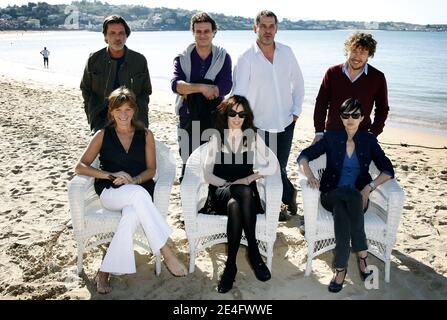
414	63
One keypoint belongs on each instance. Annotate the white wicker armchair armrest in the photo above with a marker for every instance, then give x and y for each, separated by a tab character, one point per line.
273	194
311	198
77	190
190	186
389	187
395	200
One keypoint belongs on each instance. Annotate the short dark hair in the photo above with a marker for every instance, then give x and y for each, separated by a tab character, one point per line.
351	105
361	39
203	17
265	13
114	18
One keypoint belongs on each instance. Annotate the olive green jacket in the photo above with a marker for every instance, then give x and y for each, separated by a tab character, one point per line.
99	78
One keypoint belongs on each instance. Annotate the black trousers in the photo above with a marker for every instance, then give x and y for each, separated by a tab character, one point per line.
282	151
346	205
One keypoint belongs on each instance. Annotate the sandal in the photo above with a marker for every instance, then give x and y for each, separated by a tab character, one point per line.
102	280
175	267
334	286
363	274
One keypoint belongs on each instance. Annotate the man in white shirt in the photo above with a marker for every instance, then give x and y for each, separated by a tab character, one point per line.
269	76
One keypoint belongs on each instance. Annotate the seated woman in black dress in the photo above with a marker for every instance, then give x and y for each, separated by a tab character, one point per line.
232	182
346	184
124	182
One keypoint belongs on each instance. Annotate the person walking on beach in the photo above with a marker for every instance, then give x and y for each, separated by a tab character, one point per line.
45	53
354	78
230	172
346	184
269	76
124	181
112	67
202	77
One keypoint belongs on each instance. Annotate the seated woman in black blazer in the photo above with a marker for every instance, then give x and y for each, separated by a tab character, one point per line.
346	184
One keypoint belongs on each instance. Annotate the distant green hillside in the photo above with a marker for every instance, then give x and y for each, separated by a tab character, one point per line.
89	15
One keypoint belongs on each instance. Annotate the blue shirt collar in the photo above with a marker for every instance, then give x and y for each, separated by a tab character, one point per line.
345	71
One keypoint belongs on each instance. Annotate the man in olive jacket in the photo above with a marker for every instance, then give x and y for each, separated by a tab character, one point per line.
112	67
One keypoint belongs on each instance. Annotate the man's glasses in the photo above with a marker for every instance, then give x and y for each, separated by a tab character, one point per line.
354	115
241	114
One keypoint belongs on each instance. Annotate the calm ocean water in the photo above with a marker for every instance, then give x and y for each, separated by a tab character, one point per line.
414	63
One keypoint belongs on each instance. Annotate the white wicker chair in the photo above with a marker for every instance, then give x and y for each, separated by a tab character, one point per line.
205	230
94	225
381	219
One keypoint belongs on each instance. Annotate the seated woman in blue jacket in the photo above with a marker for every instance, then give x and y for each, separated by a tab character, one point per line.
346	184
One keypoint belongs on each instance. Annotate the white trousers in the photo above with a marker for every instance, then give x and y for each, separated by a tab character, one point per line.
137	209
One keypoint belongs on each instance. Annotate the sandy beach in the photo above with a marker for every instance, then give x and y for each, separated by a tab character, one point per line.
44	131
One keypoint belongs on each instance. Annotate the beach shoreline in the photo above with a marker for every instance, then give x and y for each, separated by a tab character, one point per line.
415	101
44	132
396	132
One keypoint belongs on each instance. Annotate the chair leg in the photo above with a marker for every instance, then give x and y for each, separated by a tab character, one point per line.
269	255
387	264
157	264
192	256
80	258
310	250
387	270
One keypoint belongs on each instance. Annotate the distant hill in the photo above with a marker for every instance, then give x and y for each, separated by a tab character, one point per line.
88	15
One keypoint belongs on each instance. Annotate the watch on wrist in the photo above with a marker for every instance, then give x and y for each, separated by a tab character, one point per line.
372	186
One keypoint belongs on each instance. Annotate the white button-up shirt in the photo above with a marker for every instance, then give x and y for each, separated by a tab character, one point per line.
275	90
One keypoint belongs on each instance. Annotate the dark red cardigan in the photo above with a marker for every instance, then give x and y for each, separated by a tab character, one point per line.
336	88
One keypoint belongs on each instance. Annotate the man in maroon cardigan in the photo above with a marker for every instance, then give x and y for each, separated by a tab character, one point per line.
353	79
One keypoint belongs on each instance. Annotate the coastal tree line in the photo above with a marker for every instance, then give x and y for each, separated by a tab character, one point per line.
90	14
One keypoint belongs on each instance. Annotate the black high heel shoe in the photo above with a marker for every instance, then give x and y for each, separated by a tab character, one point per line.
262	273
363	275
226	282
334	286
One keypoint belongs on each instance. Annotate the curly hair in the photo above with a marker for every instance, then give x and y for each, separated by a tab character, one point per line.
361	39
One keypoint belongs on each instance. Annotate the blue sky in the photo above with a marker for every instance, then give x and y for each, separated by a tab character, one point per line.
413	11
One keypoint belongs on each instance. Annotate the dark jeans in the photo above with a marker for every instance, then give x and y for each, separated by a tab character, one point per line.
282	152
346	205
